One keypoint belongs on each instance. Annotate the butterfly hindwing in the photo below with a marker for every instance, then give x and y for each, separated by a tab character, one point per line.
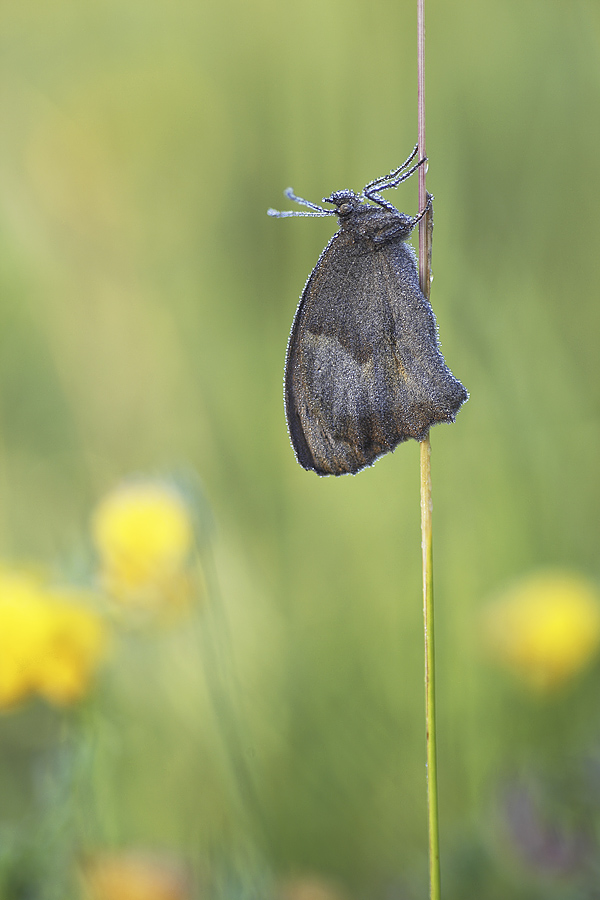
363	370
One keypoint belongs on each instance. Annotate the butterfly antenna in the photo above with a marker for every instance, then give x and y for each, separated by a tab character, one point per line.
317	210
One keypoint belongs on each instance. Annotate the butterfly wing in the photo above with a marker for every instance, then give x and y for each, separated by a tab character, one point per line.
363	370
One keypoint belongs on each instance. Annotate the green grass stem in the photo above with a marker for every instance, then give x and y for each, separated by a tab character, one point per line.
430	727
425	236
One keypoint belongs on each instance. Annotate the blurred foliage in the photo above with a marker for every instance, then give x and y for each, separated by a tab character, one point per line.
145	302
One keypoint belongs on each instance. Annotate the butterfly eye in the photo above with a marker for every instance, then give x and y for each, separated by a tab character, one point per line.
344	209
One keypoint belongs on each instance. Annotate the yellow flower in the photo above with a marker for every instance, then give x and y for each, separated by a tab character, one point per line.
144	536
134	877
22	629
74	643
546	628
50	641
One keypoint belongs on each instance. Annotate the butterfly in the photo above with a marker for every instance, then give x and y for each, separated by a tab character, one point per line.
364	370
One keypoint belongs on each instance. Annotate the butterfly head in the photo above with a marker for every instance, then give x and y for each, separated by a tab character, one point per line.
346	202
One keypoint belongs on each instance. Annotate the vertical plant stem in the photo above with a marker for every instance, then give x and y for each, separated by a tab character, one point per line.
425	235
430	729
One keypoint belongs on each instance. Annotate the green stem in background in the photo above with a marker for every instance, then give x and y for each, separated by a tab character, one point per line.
425	235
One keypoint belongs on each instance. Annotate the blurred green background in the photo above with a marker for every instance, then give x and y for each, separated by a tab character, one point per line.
146	300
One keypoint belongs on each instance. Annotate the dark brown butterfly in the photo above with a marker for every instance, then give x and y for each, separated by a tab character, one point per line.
364	370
